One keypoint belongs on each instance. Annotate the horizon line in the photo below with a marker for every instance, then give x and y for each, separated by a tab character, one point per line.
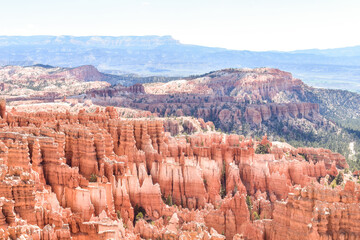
179	41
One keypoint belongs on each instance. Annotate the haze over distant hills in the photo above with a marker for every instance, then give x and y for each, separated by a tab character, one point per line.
163	55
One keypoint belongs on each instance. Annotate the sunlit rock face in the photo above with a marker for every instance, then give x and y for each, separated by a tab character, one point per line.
95	175
229	98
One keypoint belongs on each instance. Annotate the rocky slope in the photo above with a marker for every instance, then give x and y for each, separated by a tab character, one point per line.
49	82
243	84
229	98
94	175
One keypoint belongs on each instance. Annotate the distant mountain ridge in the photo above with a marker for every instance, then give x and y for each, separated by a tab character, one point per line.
335	52
165	56
88	41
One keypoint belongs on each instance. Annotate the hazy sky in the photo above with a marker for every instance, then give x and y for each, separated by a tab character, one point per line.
233	24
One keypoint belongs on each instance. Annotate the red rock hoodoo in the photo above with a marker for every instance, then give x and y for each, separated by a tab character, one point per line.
99	176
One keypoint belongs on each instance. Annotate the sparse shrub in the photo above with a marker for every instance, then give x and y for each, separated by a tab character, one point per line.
262	149
256	216
333	184
249	203
139	216
339	178
303	156
93	178
139	212
169	200
118	214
